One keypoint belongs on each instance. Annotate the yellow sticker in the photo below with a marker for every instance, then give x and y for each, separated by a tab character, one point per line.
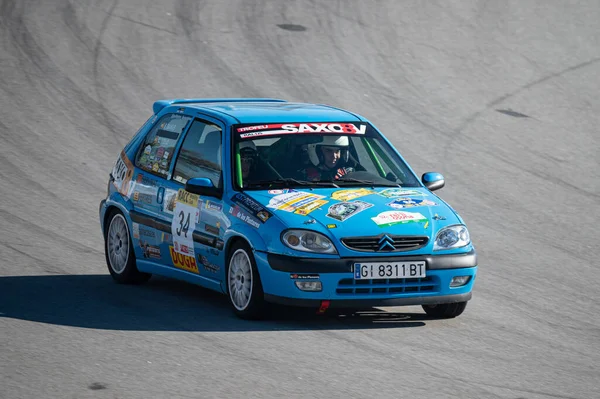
426	224
331	226
187	198
291	201
183	262
347	195
311	206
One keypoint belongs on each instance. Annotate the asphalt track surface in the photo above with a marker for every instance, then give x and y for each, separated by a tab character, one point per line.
500	97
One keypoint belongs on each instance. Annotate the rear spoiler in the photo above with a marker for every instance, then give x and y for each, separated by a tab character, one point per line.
160	104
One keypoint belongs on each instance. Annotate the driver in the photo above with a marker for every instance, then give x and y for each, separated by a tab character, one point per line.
329	159
249	158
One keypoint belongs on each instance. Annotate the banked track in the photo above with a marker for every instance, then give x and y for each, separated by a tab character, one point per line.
501	97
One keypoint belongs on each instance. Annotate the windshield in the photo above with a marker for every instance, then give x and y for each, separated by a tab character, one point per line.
315	155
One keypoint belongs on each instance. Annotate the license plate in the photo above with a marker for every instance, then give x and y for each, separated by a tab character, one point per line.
385	270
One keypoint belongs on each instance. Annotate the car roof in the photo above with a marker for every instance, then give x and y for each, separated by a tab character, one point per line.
263	110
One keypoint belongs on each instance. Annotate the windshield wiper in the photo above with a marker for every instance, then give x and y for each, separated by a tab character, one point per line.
325	183
368	182
288	181
353	180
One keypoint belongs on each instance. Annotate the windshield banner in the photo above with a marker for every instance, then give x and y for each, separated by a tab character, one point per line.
294	128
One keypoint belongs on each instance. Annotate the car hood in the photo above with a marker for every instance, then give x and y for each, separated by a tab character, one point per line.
347	212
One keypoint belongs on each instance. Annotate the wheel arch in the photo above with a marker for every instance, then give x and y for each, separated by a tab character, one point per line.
229	244
114	204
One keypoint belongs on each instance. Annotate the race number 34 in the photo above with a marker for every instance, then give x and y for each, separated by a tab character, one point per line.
184	222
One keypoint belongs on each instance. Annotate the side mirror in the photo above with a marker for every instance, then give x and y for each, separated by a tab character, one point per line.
433	180
203	186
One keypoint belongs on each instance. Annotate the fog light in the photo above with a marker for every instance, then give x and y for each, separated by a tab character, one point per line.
293	240
309	285
459	281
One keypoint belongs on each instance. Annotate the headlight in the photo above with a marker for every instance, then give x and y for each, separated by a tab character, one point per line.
452	237
308	241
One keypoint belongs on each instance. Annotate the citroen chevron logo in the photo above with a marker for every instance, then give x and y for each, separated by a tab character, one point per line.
386	243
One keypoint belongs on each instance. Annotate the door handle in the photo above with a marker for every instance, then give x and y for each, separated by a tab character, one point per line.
160	195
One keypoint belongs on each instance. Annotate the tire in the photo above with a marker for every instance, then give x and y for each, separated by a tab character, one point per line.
446	310
244	287
119	252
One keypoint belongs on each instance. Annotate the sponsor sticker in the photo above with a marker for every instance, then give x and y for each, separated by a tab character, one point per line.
209	267
252	206
296	276
293	128
280	191
184	262
143	198
185	197
291	201
263	215
136	230
122	173
144	180
347	195
311	206
144	231
400	203
244	217
170	198
150	251
344	210
390	218
331	226
213	206
399	192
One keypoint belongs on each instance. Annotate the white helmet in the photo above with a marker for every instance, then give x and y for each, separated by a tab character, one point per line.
329	141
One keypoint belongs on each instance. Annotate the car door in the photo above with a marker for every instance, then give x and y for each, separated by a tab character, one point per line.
197	222
152	164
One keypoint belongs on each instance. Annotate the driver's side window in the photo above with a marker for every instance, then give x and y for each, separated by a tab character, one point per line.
200	154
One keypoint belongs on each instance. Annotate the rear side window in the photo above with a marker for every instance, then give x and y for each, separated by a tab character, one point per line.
200	154
157	151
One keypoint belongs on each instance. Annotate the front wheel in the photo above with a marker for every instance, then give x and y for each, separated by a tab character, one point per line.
243	283
446	310
118	249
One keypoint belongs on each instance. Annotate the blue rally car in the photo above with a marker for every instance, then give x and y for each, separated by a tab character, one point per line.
271	201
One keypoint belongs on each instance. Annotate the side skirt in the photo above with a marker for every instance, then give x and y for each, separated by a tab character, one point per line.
171	272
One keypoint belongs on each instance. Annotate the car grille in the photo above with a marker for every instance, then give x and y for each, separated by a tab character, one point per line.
374	243
349	286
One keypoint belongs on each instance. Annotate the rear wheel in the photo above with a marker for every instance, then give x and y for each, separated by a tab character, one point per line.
446	310
118	249
243	283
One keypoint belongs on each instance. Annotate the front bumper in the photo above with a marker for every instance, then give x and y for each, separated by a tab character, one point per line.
279	273
369	303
